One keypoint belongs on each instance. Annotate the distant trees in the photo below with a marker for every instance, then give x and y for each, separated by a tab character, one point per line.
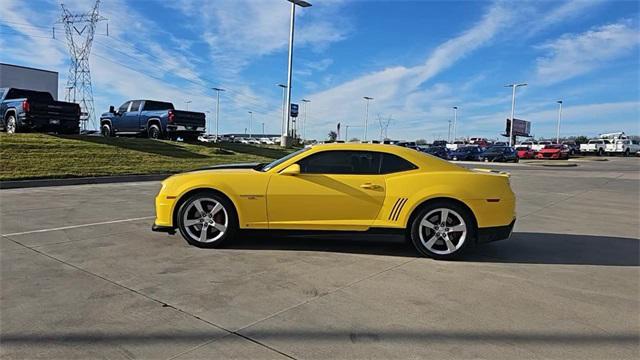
581	139
355	139
421	142
333	136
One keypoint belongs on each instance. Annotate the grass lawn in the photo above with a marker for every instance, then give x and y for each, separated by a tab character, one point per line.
37	156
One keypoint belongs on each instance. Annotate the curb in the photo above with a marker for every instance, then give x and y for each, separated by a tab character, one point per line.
19	184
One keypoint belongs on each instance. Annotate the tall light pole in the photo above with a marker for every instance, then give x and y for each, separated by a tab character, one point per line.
513	109
559	118
449	133
366	115
285	141
455	121
187	102
217	90
263	128
304	121
250	120
284	107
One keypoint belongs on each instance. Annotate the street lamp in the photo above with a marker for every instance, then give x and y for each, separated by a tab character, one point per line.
284	107
455	121
559	118
513	109
187	102
250	120
366	115
263	129
304	121
217	90
285	141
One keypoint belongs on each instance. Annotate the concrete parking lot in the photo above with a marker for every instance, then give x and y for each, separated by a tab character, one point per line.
82	276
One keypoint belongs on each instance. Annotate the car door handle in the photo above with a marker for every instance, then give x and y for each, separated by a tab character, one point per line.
370	186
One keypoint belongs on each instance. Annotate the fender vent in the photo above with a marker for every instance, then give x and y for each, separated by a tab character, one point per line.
397	208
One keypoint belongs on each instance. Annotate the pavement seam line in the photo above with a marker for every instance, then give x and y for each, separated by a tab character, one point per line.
154	300
79	226
326	294
572	196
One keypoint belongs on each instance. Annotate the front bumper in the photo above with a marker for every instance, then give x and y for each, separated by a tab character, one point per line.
166	229
495	233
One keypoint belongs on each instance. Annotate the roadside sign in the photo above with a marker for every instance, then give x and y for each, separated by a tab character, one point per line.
294	110
520	127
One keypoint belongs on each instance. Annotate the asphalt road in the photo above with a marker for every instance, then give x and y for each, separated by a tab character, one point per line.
82	276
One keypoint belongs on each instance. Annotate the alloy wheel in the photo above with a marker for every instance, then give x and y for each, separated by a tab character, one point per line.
443	231
11	125
205	220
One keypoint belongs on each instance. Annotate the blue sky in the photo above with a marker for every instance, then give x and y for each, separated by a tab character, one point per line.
417	59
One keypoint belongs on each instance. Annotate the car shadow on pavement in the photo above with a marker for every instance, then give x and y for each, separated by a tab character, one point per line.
567	249
389	245
523	247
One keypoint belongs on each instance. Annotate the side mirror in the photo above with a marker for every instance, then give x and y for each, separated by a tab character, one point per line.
291	170
112	109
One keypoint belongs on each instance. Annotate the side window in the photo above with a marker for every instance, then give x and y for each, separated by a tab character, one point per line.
341	162
392	163
135	105
123	108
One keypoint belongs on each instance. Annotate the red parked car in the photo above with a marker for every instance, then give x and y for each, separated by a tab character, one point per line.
554	151
525	152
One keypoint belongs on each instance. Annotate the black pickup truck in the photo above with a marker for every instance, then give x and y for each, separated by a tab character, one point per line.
27	110
154	119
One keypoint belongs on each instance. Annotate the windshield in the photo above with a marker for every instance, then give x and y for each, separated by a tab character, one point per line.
283	159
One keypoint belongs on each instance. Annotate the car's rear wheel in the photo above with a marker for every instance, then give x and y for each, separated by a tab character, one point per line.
105	130
600	152
442	230
154	132
207	220
11	125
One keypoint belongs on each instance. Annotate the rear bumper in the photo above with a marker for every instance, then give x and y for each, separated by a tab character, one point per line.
495	233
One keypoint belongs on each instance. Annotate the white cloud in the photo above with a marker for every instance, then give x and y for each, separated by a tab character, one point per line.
576	54
396	89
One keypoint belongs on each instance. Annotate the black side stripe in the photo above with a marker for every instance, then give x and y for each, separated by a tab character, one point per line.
399	209
394	208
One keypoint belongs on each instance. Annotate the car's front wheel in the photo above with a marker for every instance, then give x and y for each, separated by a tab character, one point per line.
442	230
207	220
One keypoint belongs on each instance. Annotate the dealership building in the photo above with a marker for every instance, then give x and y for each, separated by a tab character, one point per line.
23	77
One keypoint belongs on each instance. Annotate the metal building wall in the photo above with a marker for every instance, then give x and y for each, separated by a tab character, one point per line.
29	78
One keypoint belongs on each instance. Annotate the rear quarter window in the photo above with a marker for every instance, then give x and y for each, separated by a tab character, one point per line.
393	163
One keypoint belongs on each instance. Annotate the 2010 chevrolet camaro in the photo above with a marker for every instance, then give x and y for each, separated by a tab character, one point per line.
441	207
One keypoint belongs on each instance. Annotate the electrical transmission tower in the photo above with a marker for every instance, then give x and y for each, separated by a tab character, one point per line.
384	126
79	31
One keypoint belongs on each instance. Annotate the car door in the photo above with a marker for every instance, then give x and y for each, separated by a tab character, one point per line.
335	190
118	117
130	119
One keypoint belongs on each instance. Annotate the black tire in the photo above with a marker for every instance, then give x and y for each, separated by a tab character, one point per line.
105	130
11	124
188	211
626	153
154	132
437	251
516	160
600	152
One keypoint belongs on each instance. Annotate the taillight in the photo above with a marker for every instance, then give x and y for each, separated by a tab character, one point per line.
171	116
25	106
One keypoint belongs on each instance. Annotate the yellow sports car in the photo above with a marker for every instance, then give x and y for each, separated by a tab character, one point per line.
443	208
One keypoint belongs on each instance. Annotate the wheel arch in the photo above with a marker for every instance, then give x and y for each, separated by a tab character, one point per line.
10	111
183	197
154	121
421	204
